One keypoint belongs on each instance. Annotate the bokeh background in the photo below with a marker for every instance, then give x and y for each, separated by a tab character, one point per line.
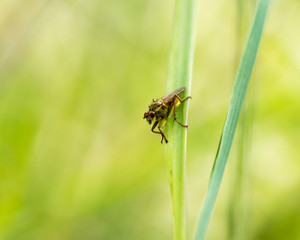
77	161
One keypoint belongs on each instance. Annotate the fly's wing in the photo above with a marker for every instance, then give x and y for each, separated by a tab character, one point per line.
172	94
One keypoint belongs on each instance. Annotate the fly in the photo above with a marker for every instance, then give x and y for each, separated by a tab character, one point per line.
160	110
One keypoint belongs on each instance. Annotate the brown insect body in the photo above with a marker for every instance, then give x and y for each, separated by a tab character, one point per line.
160	110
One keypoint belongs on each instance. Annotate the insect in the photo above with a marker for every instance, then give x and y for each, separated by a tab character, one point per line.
160	110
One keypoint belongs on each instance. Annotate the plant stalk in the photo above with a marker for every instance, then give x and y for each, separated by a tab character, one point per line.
179	74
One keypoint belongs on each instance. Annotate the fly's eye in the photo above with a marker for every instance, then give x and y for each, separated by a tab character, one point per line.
152	114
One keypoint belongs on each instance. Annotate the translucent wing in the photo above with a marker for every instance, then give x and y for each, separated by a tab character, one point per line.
172	94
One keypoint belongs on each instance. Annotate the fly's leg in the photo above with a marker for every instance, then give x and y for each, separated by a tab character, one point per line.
160	132
152	129
186	126
182	100
162	135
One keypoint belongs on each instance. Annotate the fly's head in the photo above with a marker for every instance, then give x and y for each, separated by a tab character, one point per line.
149	116
153	108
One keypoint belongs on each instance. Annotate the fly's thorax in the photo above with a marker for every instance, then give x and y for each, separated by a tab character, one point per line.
161	111
155	106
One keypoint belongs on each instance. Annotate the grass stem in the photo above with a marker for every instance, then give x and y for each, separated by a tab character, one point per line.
180	75
237	98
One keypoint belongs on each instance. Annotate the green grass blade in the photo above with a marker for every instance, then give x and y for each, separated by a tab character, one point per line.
237	97
180	75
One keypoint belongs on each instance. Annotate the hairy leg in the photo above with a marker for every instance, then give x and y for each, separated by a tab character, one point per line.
162	135
186	126
160	132
182	100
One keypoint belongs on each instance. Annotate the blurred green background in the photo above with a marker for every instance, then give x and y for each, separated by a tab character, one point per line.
77	161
